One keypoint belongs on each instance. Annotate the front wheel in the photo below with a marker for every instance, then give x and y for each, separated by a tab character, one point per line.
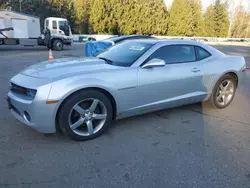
224	92
58	45
85	115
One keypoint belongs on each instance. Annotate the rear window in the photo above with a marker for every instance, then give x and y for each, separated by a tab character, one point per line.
201	53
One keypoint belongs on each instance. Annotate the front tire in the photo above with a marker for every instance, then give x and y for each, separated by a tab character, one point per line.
224	92
85	115
58	45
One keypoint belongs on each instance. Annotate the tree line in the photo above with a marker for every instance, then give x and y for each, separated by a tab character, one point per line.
241	23
183	18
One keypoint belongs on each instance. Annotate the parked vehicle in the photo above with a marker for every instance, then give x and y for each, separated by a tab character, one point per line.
117	39
83	38
82	96
22	29
94	48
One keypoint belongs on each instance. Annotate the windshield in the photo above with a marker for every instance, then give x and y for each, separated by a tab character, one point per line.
63	24
126	53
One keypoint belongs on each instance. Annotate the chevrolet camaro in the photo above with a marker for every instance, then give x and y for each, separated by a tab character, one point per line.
82	96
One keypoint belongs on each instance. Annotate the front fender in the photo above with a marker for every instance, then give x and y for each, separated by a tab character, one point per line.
63	88
60	90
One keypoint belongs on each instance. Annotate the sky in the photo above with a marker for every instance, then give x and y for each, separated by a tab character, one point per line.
206	3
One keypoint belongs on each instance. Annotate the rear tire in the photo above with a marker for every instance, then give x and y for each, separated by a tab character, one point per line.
223	92
57	45
85	115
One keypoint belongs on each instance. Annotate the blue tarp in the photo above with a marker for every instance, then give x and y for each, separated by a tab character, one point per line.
93	48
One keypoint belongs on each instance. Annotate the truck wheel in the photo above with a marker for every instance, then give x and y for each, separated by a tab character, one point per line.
58	45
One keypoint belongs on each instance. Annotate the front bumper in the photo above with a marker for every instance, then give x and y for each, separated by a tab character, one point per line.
35	112
67	41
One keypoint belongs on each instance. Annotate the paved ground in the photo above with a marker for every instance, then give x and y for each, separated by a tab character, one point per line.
191	146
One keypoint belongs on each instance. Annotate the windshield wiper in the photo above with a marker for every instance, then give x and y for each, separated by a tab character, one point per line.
106	60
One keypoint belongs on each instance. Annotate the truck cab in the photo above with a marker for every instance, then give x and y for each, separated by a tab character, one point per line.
60	32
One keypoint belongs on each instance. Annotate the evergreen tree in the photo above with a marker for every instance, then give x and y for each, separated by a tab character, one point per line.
221	19
241	23
126	14
153	17
180	18
209	22
197	22
102	17
137	16
129	17
82	14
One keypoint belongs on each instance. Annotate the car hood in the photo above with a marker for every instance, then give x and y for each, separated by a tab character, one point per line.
67	67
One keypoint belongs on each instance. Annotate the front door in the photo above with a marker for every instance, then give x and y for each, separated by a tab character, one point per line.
178	82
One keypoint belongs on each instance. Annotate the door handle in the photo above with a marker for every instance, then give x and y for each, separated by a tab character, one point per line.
196	70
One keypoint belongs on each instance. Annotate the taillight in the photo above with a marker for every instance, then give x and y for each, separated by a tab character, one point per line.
244	68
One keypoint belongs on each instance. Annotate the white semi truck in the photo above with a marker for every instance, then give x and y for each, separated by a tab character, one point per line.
22	29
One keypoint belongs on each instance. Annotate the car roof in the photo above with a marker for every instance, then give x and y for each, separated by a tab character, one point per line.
175	42
169	41
146	41
126	37
162	42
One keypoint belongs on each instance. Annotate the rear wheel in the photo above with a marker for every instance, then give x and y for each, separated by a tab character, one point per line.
58	45
85	115
224	92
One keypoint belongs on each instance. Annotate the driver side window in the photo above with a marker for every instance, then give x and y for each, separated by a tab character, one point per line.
175	54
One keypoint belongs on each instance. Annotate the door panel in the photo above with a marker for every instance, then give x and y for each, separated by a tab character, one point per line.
178	82
174	84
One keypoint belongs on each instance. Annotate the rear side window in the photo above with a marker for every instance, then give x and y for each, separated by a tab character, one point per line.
175	54
201	53
54	25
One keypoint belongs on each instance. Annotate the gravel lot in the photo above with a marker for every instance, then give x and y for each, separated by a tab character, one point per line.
191	146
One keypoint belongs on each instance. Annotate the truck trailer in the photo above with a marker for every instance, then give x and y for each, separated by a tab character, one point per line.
23	29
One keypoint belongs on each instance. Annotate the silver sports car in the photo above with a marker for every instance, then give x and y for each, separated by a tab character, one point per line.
81	96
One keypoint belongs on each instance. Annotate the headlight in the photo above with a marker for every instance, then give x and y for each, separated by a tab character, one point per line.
31	93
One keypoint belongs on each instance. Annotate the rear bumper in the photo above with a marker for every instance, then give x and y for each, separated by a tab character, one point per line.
242	78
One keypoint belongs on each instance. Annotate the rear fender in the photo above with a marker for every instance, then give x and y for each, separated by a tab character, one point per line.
215	69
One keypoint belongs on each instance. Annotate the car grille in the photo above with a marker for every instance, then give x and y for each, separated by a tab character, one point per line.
18	89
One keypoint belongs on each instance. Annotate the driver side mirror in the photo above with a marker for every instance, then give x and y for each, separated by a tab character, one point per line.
154	63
